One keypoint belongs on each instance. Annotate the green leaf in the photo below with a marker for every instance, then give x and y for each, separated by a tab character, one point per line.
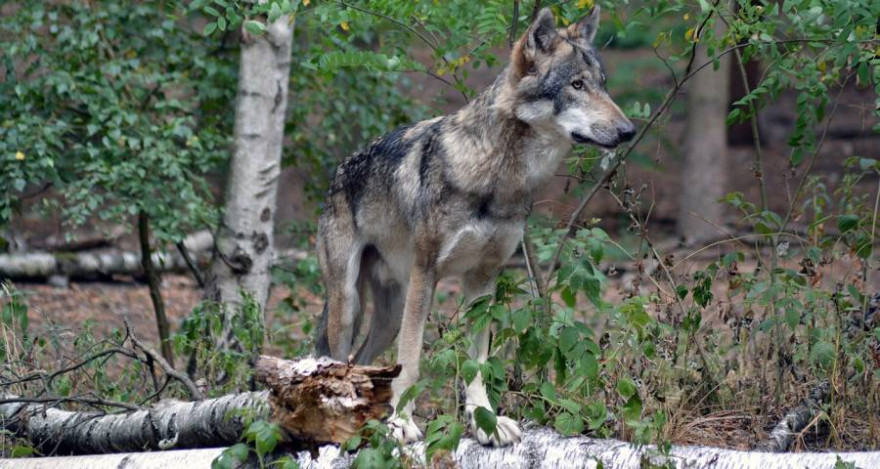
626	387
443	433
569	297
568	424
792	318
254	27
410	394
847	222
632	410
231	457
209	28
469	370
568	338
548	391
274	13
822	355
485	420
264	435
21	451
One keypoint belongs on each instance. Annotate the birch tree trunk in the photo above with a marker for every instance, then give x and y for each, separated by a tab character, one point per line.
539	448
704	172
243	254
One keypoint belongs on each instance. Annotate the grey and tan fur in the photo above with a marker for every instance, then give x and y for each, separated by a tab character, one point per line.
449	197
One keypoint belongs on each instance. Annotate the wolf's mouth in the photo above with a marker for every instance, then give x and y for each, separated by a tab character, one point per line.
580	138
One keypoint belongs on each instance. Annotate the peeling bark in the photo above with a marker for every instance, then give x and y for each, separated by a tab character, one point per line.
315	401
244	251
539	448
165	425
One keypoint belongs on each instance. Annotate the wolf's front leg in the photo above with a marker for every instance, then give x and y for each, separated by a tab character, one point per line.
507	430
419	296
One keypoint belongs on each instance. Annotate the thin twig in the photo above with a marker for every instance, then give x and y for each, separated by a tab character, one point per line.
191	263
194	390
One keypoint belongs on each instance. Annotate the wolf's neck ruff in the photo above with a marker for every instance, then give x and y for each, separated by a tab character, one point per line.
493	149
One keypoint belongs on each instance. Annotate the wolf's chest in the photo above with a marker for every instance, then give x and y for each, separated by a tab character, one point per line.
479	244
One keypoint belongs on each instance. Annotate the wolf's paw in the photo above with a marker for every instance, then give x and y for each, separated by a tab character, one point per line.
403	429
507	432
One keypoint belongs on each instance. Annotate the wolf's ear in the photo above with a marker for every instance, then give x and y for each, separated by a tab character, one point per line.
540	38
542	35
585	29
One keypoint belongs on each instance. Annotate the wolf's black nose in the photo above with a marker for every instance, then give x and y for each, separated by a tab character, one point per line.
626	132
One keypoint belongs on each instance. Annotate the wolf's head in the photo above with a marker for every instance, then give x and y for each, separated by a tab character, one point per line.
558	83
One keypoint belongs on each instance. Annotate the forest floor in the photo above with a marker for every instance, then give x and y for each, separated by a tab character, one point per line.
63	312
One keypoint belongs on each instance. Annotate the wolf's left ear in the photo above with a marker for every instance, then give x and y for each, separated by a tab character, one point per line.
542	34
540	39
585	29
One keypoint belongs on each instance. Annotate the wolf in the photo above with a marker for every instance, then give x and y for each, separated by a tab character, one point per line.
449	196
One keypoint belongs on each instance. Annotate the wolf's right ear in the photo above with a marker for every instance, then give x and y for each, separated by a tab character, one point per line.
540	38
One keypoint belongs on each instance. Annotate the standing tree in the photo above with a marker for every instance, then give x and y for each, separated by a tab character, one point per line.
244	248
704	172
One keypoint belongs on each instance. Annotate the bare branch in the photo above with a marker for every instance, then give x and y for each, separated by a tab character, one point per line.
194	390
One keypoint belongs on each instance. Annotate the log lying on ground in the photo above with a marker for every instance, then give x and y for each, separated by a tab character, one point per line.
540	448
796	420
36	265
316	401
168	424
87	265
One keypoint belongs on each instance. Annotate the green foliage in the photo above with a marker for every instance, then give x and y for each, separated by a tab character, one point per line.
211	323
378	449
119	108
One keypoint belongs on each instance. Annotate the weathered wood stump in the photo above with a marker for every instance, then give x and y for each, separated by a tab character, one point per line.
323	401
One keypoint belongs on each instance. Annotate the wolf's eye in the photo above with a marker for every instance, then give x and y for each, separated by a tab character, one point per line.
577	84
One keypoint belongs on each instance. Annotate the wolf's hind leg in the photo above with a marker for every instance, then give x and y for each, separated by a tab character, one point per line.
506	430
339	254
388	303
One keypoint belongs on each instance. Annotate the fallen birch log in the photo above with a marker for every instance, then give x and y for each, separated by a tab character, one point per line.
79	265
36	265
315	401
539	448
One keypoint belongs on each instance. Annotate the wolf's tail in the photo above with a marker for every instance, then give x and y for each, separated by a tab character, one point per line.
322	343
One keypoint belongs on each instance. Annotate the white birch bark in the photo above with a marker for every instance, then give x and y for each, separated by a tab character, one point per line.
168	424
85	264
245	240
539	448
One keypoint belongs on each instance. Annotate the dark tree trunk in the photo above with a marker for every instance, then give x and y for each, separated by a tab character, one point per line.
155	294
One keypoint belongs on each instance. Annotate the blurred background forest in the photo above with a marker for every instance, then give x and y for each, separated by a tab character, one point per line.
724	269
